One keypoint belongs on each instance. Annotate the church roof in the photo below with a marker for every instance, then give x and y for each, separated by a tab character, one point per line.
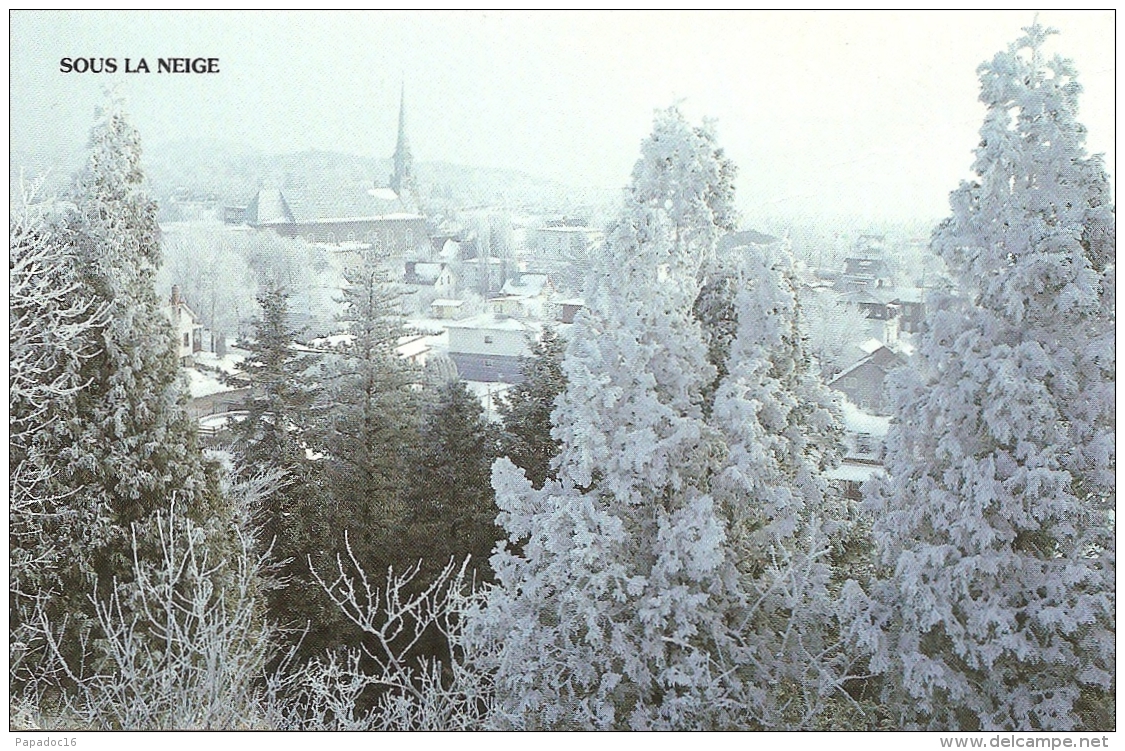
269	207
306	204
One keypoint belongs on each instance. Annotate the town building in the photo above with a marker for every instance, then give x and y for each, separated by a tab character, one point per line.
389	219
864	383
186	327
425	281
490	349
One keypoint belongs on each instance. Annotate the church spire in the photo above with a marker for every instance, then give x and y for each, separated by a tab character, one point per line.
402	179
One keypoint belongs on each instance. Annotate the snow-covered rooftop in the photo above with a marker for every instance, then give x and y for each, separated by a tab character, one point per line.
871	345
490	321
383	194
451	250
412	346
909	294
269	207
858	421
422	272
374	218
851	472
529	285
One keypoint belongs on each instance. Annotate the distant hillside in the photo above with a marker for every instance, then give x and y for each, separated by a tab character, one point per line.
329	183
317	183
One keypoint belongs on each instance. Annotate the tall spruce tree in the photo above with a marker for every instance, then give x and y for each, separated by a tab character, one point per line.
364	432
274	437
994	531
526	409
450	510
367	417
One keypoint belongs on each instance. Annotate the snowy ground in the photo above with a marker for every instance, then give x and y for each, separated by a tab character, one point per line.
204	383
229	363
488	393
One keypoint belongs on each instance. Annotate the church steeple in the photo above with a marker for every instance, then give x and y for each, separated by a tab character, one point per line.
402	179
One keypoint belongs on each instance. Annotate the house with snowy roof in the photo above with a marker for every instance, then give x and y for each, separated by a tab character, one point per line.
911	305
186	326
426	281
490	349
864	436
864	273
449	309
864	383
525	294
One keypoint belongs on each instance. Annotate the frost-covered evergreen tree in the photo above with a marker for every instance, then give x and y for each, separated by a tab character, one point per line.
50	325
617	612
133	443
781	433
368	412
526	409
994	531
275	431
123	446
450	511
273	437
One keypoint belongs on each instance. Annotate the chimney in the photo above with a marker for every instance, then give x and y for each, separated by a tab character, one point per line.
175	294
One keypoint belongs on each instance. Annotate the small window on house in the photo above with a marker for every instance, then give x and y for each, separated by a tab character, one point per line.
488	363
488	340
187	340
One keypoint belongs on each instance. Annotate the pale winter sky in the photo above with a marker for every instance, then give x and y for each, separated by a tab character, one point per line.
866	113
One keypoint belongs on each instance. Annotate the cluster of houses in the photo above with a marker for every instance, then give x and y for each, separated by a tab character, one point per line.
481	305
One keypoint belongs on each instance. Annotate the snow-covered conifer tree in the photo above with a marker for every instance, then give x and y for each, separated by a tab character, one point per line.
125	448
134	442
273	437
368	413
50	334
777	419
994	531
527	406
617	611
275	431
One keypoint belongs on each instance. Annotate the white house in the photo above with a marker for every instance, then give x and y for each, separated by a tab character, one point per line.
185	325
448	309
425	282
489	349
525	294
